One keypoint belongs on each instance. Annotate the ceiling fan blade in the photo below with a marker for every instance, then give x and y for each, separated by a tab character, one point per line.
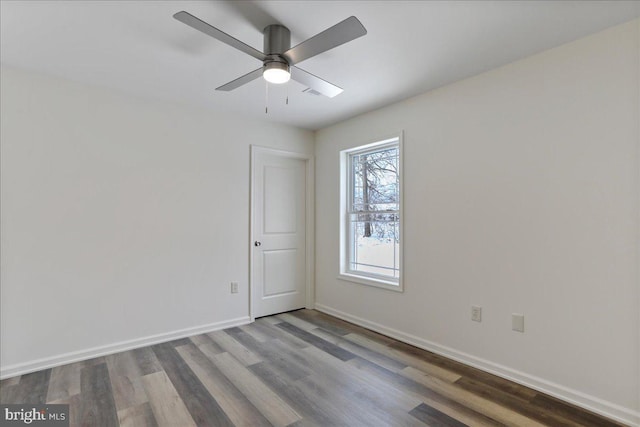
341	33
234	84
200	25
314	82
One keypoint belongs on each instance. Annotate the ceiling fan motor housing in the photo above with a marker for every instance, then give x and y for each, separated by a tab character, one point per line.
277	39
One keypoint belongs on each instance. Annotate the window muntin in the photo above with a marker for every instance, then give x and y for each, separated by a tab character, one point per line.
372	214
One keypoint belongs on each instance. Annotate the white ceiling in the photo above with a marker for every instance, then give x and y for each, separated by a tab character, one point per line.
411	47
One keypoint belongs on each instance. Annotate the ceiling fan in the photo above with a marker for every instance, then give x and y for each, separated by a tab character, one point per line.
279	58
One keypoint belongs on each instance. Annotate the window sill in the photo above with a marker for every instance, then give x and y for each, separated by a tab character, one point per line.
369	281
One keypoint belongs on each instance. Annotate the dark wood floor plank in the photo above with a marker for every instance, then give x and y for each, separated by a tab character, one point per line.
433	417
469	399
137	416
256	333
94	361
434	399
210	350
312	410
205	339
97	406
568	411
322	322
179	342
146	360
166	405
35	386
405	358
514	403
32	388
64	381
10	381
229	343
235	404
366	394
375	336
201	405
276	333
296	321
272	406
347	402
373	356
75	407
466	371
323	345
126	380
349	408
290	361
355	381
274	352
8	393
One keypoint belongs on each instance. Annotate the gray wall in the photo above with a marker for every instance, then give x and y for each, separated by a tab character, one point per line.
123	221
521	196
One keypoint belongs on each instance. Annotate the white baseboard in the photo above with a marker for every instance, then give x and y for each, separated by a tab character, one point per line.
591	403
90	353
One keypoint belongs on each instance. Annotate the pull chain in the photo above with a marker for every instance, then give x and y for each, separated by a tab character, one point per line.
266	97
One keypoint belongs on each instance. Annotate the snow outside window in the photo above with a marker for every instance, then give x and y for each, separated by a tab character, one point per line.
372	214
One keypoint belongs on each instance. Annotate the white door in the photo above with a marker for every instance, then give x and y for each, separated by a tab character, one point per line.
279	232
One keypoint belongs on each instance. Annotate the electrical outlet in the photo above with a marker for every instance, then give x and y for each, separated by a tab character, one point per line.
234	287
476	313
517	322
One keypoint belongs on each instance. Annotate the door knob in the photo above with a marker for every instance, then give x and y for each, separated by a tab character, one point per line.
256	243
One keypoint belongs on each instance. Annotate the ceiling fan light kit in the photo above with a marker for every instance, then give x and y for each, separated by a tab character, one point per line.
276	72
279	58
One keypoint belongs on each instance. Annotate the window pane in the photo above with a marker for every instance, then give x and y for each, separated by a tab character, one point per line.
373	213
375	181
375	244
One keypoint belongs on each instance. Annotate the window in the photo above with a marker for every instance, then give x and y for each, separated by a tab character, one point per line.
371	209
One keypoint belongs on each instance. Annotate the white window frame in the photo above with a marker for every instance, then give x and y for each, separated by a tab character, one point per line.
345	273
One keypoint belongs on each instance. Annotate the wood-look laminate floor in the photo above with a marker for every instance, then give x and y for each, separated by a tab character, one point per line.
303	368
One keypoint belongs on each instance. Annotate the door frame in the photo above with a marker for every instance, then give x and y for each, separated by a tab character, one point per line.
309	219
